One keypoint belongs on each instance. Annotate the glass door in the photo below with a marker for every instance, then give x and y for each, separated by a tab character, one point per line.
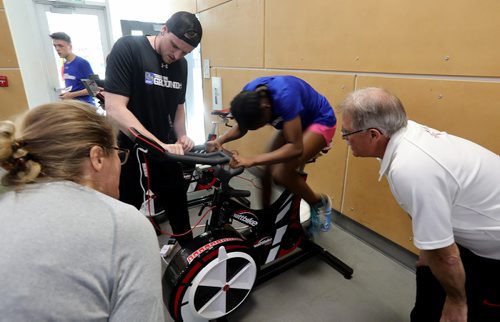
86	25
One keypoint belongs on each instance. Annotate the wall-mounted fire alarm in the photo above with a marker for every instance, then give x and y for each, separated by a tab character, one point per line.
3	81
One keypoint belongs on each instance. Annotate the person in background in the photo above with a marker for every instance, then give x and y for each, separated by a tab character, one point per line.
450	188
305	122
70	250
145	88
75	69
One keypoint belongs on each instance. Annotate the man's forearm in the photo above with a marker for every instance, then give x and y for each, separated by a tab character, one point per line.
180	121
446	265
82	92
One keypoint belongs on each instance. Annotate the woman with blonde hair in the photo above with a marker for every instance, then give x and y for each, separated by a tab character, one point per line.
71	250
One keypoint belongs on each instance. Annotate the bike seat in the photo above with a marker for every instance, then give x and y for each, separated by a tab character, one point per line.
322	152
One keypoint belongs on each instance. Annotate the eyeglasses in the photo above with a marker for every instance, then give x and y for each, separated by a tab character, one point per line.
345	134
122	154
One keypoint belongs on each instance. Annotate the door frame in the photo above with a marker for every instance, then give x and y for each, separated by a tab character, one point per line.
42	6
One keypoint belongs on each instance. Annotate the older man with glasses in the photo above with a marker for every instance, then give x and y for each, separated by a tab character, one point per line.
451	189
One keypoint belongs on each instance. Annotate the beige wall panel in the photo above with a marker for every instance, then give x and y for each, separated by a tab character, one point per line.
1	4
464	108
233	34
370	203
395	36
7	53
181	5
207	4
327	173
13	99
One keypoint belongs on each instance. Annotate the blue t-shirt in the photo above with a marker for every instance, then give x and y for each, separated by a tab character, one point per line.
74	72
291	96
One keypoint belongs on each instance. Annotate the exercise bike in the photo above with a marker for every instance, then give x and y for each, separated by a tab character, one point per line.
200	178
214	274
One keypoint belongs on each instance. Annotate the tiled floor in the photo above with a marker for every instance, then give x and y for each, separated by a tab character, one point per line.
381	289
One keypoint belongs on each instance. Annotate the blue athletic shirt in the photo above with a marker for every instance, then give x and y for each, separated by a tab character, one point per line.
291	96
74	72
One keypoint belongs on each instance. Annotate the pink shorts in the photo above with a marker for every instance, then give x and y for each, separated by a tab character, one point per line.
326	131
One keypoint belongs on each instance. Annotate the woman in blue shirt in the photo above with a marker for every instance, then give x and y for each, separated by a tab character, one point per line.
305	122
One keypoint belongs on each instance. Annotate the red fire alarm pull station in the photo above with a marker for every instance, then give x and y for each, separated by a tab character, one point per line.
3	81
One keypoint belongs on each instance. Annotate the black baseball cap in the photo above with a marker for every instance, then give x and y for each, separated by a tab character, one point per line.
186	27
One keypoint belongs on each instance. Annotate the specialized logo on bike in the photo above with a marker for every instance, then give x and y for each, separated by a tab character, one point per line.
209	246
160	80
246	218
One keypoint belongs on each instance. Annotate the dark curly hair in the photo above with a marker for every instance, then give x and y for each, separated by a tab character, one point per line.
245	108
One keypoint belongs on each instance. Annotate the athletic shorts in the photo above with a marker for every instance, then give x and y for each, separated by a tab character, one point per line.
326	131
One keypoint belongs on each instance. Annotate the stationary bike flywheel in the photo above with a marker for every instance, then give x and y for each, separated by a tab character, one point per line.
210	278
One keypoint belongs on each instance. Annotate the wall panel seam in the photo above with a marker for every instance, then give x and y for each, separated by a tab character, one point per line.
215	6
264	34
346	166
374	74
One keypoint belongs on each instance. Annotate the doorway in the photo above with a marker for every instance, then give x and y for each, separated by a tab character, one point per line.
87	27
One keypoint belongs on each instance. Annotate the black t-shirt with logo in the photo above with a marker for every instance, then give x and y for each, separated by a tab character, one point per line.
154	89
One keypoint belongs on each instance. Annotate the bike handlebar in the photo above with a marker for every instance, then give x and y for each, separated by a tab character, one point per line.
224	114
216	159
157	151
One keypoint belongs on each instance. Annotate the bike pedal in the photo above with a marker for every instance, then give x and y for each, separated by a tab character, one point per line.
166	250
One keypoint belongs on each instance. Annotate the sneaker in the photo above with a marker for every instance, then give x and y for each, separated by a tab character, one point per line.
314	222
324	212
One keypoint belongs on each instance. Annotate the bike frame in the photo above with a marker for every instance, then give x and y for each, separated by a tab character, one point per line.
212	275
273	232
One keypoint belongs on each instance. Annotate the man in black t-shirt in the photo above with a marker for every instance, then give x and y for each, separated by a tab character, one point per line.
145	86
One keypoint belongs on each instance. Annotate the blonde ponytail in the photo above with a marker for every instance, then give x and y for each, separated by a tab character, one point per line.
54	141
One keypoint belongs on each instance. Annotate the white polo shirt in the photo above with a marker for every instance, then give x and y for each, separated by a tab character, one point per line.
449	186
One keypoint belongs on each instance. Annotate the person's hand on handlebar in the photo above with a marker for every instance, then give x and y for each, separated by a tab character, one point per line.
212	146
240	161
173	148
186	143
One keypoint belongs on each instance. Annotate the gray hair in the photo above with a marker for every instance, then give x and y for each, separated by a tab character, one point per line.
374	107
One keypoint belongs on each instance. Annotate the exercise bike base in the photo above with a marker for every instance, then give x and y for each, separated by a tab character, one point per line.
307	250
329	258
